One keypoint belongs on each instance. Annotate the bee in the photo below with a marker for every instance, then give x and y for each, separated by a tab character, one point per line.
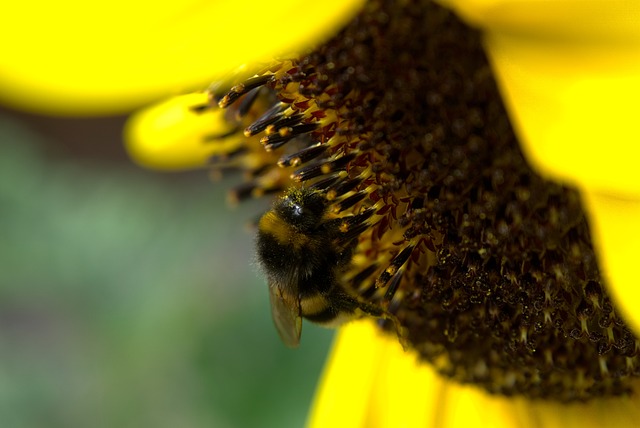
304	253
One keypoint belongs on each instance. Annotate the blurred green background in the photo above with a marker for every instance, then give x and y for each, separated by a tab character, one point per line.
130	298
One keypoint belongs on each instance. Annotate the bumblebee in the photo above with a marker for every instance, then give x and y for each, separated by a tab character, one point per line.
303	253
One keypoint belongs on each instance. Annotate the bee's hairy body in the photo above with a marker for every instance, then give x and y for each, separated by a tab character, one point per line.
304	254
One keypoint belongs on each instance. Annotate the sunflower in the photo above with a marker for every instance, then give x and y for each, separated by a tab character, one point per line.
488	268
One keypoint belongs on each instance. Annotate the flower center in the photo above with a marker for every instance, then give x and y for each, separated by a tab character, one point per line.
488	268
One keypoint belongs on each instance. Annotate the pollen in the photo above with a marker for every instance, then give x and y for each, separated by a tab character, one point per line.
481	263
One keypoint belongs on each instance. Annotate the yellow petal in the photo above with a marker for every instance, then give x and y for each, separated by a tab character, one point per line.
585	19
467	406
371	382
575	109
615	223
361	388
570	75
83	58
338	403
170	136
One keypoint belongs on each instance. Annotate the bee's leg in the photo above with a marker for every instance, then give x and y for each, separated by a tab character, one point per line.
384	317
344	302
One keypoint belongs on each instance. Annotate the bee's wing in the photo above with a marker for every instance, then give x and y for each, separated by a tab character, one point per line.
286	317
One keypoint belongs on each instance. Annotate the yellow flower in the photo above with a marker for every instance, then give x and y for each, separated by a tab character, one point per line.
370	380
569	75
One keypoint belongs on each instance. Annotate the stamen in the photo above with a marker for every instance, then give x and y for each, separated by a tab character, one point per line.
343	187
252	189
284	121
394	266
201	108
220	159
352	226
242	88
313	171
349	201
220	137
394	284
246	103
269	117
326	183
361	276
242	192
286	134
260	170
303	156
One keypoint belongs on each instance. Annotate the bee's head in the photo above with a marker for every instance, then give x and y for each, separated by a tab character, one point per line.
302	208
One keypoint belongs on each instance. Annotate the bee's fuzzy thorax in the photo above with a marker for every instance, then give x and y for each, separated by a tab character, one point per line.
489	268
